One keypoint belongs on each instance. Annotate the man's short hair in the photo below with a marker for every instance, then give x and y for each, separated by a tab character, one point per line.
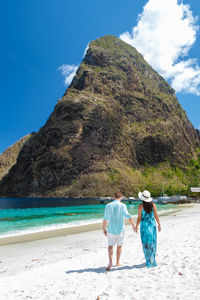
118	195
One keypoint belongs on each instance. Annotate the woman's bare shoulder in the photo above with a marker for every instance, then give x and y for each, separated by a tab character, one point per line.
140	206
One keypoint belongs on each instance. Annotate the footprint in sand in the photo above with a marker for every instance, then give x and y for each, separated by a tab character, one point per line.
28	267
37	259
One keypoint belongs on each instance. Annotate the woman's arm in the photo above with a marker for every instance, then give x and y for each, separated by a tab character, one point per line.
156	216
139	217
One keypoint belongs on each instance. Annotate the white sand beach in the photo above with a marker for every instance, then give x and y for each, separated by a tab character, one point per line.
73	266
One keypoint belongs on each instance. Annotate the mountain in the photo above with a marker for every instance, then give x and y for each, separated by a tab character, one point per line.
198	133
9	157
117	118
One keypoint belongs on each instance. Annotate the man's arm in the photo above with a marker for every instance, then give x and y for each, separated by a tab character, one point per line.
131	222
105	219
104	227
127	216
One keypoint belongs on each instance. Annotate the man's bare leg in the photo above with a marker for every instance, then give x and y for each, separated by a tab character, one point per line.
110	255
119	251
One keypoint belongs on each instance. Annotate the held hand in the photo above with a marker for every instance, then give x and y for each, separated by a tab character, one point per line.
105	231
133	227
136	229
159	227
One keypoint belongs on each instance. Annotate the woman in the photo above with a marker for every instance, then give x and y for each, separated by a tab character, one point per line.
147	213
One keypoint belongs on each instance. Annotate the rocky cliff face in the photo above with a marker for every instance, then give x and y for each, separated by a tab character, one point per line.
9	157
198	133
117	113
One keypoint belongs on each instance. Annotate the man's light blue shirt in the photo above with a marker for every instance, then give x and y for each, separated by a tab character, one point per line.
115	212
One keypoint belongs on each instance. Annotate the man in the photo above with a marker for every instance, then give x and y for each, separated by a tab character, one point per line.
115	212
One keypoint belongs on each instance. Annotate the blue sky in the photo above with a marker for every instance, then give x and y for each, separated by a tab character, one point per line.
39	36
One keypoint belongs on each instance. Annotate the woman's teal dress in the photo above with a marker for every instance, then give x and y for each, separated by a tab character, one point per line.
149	237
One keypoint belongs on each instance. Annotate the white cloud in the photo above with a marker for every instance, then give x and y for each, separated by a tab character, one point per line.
68	71
86	49
165	32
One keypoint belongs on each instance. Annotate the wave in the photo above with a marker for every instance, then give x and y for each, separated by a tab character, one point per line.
43	228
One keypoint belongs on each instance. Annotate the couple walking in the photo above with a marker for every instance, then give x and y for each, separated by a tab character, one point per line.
114	215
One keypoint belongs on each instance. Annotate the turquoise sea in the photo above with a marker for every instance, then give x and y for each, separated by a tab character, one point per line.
15	221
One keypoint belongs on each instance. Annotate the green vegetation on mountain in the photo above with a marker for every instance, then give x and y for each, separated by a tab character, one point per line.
119	125
158	179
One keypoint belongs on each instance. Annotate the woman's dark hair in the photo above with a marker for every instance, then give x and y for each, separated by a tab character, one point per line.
148	206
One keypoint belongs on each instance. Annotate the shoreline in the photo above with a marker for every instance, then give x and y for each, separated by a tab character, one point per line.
73	267
59	232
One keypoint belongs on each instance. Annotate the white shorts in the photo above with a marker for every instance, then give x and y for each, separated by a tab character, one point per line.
114	239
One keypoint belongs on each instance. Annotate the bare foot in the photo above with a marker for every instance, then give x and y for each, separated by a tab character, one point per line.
109	267
118	265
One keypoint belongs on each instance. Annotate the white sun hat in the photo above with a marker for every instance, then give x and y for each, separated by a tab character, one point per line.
145	196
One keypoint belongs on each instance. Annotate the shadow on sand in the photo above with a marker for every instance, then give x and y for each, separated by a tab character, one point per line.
103	269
